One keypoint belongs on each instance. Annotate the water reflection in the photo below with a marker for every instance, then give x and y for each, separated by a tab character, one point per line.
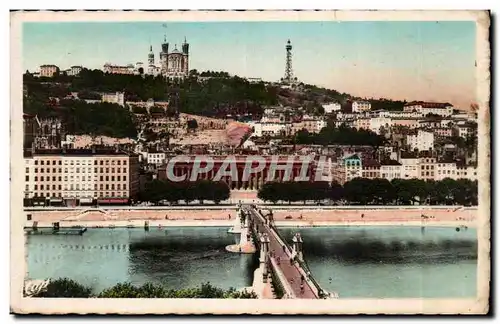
354	261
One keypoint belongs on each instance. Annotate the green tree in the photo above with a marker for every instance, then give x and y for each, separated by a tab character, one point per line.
65	288
155	191
192	125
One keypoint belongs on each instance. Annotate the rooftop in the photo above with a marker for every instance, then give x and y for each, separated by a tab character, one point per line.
81	152
425	104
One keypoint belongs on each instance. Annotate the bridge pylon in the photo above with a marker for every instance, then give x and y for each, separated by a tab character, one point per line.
297	247
239	222
246	243
264	255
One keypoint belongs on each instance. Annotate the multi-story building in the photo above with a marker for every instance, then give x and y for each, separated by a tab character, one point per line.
443	131
361	106
352	168
436	108
254	181
466	129
81	174
395	114
466	172
445	169
377	123
362	123
411	123
48	70
269	128
74	70
421	141
331	107
427	168
157	158
311	124
30	127
114	97
119	69
370	168
409	167
391	169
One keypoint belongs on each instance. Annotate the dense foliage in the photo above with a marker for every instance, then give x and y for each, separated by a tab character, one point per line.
361	191
67	288
341	136
103	118
173	192
386	104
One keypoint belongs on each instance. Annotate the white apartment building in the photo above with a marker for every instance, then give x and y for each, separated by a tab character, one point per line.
425	108
447	122
269	129
114	97
81	174
352	166
466	130
395	114
390	171
75	70
378	122
445	170
409	168
361	106
331	107
466	172
427	168
346	116
346	122
48	70
422	141
157	158
362	123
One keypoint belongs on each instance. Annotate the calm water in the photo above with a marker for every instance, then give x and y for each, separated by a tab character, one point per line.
353	261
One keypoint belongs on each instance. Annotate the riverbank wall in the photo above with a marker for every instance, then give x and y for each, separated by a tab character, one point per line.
284	216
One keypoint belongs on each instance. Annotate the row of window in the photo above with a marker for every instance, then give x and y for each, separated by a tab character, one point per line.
83	178
77	187
77	162
77	170
77	195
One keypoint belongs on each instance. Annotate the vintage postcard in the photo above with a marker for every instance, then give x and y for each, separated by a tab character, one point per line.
251	162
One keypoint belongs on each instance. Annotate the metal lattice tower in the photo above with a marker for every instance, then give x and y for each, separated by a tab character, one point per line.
288	66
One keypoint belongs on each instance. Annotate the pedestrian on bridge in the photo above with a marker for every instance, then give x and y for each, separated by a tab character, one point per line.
301	287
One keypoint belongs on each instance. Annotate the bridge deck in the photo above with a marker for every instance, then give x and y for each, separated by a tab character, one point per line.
290	271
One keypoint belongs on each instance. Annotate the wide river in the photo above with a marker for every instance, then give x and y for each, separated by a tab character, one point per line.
356	262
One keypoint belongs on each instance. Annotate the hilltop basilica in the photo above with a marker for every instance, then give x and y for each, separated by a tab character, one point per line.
172	65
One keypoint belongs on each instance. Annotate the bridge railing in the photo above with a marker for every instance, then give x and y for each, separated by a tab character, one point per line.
303	266
281	285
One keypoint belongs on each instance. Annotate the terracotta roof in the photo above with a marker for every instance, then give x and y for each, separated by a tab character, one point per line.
369	162
429	104
390	162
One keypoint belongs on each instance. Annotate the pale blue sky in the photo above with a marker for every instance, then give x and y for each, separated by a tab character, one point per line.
399	60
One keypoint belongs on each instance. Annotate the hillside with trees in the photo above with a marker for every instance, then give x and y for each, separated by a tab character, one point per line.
341	136
362	191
